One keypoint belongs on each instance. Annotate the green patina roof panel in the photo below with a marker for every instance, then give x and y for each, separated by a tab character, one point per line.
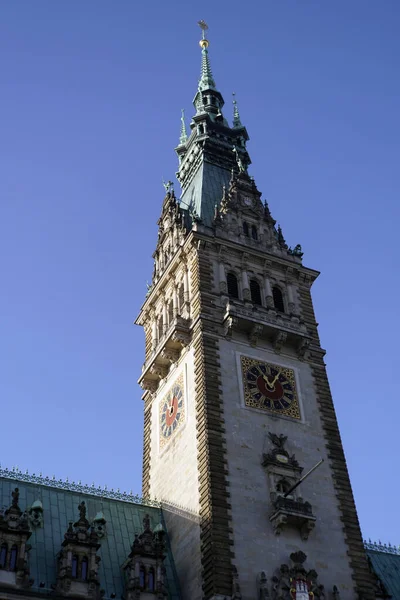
124	519
387	568
205	191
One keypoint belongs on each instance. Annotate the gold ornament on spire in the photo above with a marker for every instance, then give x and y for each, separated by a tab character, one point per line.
203	26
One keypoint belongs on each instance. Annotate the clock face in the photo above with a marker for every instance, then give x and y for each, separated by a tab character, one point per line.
172	411
270	387
247	201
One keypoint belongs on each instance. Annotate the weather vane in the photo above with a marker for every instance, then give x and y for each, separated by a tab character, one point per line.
203	26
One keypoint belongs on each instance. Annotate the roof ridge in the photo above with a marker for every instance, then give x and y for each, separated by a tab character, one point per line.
379	547
17	475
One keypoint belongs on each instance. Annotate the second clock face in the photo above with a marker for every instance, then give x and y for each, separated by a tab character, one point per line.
270	387
172	411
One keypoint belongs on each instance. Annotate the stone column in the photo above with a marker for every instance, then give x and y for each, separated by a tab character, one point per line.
268	291
165	315
154	332
245	285
290	293
222	278
186	284
175	300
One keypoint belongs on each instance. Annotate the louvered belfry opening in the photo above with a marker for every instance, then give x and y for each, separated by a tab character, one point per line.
255	292
278	299
233	289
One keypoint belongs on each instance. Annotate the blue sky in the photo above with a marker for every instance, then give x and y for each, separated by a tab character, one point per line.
91	94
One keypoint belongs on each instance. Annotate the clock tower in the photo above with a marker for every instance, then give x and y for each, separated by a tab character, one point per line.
237	405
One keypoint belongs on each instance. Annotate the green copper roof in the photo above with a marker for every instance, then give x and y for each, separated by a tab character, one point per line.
60	506
386	565
183	137
206	77
236	117
205	191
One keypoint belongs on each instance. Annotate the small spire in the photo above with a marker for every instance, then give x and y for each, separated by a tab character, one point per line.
183	136
206	78
236	117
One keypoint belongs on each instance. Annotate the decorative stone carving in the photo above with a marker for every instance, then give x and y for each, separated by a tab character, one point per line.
170	354
280	339
99	525
78	562
236	593
160	371
255	334
150	385
284	472
35	515
144	569
296	582
14	534
302	348
262	586
230	324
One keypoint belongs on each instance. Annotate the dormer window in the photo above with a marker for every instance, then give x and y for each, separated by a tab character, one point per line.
142	577
232	283
278	299
246	229
254	233
151	580
74	567
84	568
3	556
13	558
255	292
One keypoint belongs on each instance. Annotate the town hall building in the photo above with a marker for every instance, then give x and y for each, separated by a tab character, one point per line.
241	444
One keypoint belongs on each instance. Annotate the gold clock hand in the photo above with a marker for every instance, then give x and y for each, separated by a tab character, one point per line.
276	378
267	381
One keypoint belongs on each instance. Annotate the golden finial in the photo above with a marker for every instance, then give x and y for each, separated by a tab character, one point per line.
203	26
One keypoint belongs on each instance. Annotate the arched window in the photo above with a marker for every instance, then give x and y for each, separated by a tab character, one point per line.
3	556
142	577
160	327
74	567
151	580
13	558
254	233
170	312
278	299
84	568
255	292
245	229
232	284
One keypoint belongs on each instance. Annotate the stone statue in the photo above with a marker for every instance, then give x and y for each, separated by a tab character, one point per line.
146	523
240	164
278	440
262	586
15	497
82	510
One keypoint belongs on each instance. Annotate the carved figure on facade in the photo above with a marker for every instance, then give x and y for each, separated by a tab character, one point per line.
35	515
297	251
262	586
296	582
236	593
99	525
